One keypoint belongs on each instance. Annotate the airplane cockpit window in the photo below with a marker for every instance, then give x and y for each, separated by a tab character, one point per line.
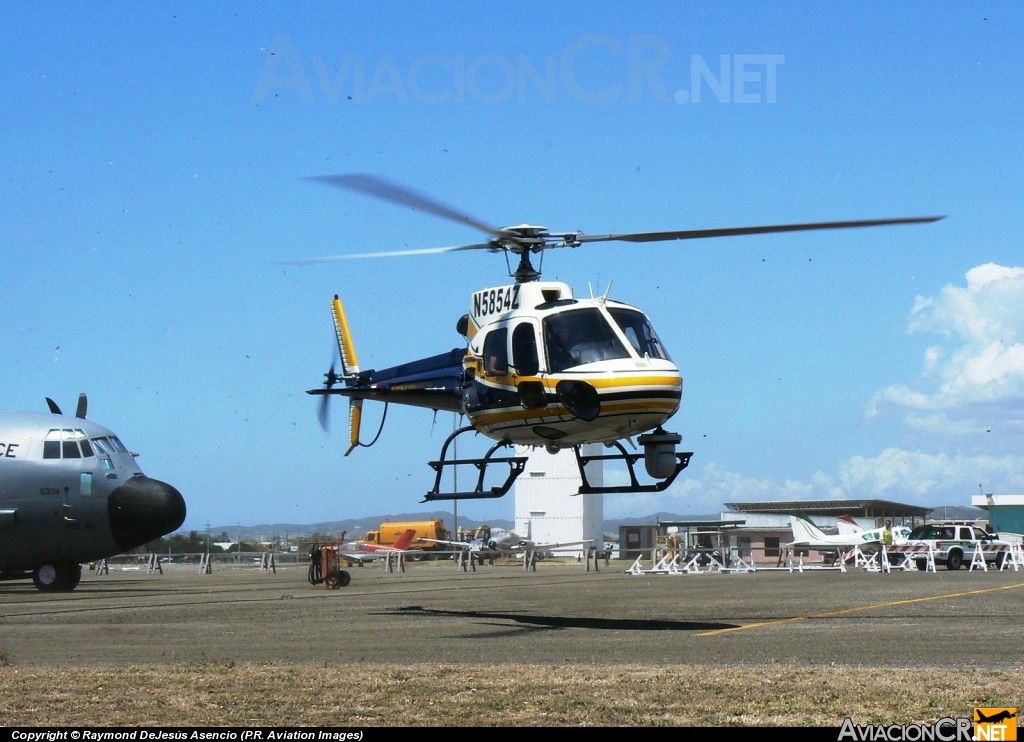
580	336
109	444
104	449
66	444
51	446
638	331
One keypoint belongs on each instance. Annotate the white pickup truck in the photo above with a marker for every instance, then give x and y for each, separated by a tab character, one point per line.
955	545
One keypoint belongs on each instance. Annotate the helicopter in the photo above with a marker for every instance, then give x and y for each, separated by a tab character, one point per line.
541	367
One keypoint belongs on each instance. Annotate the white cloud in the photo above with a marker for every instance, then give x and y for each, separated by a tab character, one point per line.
912	477
925	478
704	492
974	381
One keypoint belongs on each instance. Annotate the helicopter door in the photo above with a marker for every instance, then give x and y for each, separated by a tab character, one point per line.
525	359
526	362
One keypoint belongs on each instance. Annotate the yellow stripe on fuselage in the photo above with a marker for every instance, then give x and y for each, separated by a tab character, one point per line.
641	388
619	383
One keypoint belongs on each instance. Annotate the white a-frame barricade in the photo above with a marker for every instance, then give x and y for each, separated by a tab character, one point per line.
1014	558
913	555
978	559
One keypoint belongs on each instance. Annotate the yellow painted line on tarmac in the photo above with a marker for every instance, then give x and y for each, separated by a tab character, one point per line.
857	609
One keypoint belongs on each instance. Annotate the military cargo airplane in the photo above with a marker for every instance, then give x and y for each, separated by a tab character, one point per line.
71	492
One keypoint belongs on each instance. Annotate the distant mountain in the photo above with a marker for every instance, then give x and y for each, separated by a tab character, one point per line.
957	512
356	527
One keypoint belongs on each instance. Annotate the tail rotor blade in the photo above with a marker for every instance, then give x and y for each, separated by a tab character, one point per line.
323	413
324	408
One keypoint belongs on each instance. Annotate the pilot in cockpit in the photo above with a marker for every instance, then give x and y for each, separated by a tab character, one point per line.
559	344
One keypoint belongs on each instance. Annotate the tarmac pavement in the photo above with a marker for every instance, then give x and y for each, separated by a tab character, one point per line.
434	612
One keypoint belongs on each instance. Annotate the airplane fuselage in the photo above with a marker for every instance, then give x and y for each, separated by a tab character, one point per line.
71	492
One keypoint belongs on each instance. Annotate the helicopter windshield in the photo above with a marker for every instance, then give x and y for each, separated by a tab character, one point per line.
580	336
639	333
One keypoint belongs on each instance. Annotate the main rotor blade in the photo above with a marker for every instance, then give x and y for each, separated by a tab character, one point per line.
696	234
371	185
387	254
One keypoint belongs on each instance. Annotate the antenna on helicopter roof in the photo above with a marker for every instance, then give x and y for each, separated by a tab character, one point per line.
604	297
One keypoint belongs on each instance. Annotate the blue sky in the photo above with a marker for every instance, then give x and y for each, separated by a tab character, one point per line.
154	173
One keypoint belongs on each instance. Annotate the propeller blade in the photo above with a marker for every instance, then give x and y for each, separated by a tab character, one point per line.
696	234
83	405
371	185
53	407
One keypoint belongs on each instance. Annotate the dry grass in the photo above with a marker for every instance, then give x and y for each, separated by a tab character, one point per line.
492	695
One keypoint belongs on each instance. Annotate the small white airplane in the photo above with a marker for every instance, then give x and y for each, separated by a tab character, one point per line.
359	552
809	536
489	543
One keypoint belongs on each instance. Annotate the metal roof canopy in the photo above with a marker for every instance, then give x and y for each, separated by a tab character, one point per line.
713	525
866	508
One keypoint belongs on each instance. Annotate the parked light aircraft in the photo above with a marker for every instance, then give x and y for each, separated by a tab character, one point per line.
807	535
71	492
359	552
489	543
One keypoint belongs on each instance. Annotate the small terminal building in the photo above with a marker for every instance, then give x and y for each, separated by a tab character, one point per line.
760	531
1005	512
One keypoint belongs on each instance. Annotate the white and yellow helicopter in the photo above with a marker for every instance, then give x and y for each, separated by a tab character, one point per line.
541	367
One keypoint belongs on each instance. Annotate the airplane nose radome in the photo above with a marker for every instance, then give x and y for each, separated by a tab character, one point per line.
143	509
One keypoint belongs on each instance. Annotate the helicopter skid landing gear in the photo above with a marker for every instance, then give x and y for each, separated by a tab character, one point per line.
667	474
516	465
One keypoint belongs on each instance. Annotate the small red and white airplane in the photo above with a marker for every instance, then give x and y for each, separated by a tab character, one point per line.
360	552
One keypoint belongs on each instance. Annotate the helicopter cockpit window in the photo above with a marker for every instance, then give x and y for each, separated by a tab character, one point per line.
524	350
496	352
580	336
639	332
